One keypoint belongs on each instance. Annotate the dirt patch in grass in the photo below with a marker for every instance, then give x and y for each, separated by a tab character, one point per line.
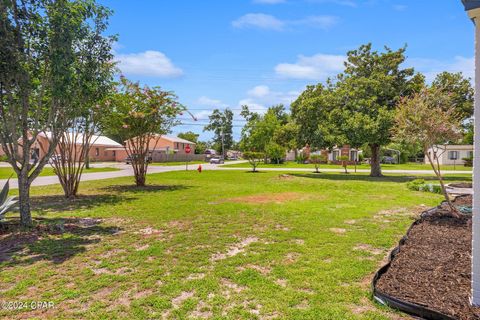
271	198
338	230
433	267
234	249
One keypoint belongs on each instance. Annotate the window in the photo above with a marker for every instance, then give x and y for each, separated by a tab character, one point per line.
353	155
453	155
114	153
469	154
97	152
335	155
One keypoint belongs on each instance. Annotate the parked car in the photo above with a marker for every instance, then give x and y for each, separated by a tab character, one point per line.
128	159
216	160
389	160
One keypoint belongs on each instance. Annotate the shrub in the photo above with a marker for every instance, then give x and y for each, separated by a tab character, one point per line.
301	158
253	158
275	153
421	185
468	162
3	158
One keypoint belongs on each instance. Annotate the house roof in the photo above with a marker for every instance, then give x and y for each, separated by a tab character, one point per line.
96	140
455	147
177	139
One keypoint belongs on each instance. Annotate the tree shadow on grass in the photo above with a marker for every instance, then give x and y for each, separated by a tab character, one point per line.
147	188
361	177
54	240
58	203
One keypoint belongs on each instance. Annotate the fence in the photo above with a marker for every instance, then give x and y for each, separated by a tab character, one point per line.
162	157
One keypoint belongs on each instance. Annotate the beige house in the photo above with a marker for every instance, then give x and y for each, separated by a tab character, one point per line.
450	154
160	148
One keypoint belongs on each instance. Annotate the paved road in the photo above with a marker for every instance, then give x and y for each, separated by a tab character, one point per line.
126	171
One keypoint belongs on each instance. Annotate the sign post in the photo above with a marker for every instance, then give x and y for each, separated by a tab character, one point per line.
187	151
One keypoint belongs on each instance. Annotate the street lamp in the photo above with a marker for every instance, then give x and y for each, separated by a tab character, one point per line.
473	9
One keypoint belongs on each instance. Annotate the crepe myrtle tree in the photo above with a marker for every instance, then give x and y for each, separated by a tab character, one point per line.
139	115
39	41
429	119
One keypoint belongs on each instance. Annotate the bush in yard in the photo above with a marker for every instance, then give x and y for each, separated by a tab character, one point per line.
275	152
254	158
317	159
344	161
468	161
421	185
301	158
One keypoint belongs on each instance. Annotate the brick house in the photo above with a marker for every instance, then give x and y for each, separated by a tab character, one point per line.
160	147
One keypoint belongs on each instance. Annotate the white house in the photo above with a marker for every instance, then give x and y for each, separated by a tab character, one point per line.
450	154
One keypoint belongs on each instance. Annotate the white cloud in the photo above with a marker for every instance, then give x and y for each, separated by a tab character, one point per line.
203	100
269	22
260	97
431	67
322	22
317	67
259	20
269	1
348	3
259	91
148	63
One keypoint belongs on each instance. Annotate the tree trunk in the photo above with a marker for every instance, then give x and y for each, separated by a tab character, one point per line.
24	199
375	169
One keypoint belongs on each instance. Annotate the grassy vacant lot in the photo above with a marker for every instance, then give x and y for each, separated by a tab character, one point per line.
218	244
6	172
406	166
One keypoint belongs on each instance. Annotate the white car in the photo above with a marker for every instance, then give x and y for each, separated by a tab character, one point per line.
216	160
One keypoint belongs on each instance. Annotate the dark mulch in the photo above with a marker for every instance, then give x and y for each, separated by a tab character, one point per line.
433	266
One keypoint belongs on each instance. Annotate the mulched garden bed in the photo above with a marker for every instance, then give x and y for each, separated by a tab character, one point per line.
431	268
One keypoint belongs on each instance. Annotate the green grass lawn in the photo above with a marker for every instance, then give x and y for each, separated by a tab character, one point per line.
6	172
217	244
405	166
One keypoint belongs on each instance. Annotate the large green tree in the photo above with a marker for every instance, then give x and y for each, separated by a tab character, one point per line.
39	44
460	91
221	123
366	95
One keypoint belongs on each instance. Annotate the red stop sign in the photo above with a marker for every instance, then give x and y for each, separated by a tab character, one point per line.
188	149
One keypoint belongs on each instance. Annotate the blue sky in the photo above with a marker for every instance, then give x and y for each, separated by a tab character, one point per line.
225	53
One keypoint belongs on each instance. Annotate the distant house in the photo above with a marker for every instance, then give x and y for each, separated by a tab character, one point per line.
450	154
332	155
101	146
161	146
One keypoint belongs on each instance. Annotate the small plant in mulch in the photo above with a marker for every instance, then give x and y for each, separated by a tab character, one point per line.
421	185
344	161
317	159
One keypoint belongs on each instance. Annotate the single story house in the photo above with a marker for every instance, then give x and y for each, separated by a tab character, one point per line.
162	147
332	155
100	149
450	154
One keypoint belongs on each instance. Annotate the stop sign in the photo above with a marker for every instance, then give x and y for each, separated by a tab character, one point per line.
188	149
